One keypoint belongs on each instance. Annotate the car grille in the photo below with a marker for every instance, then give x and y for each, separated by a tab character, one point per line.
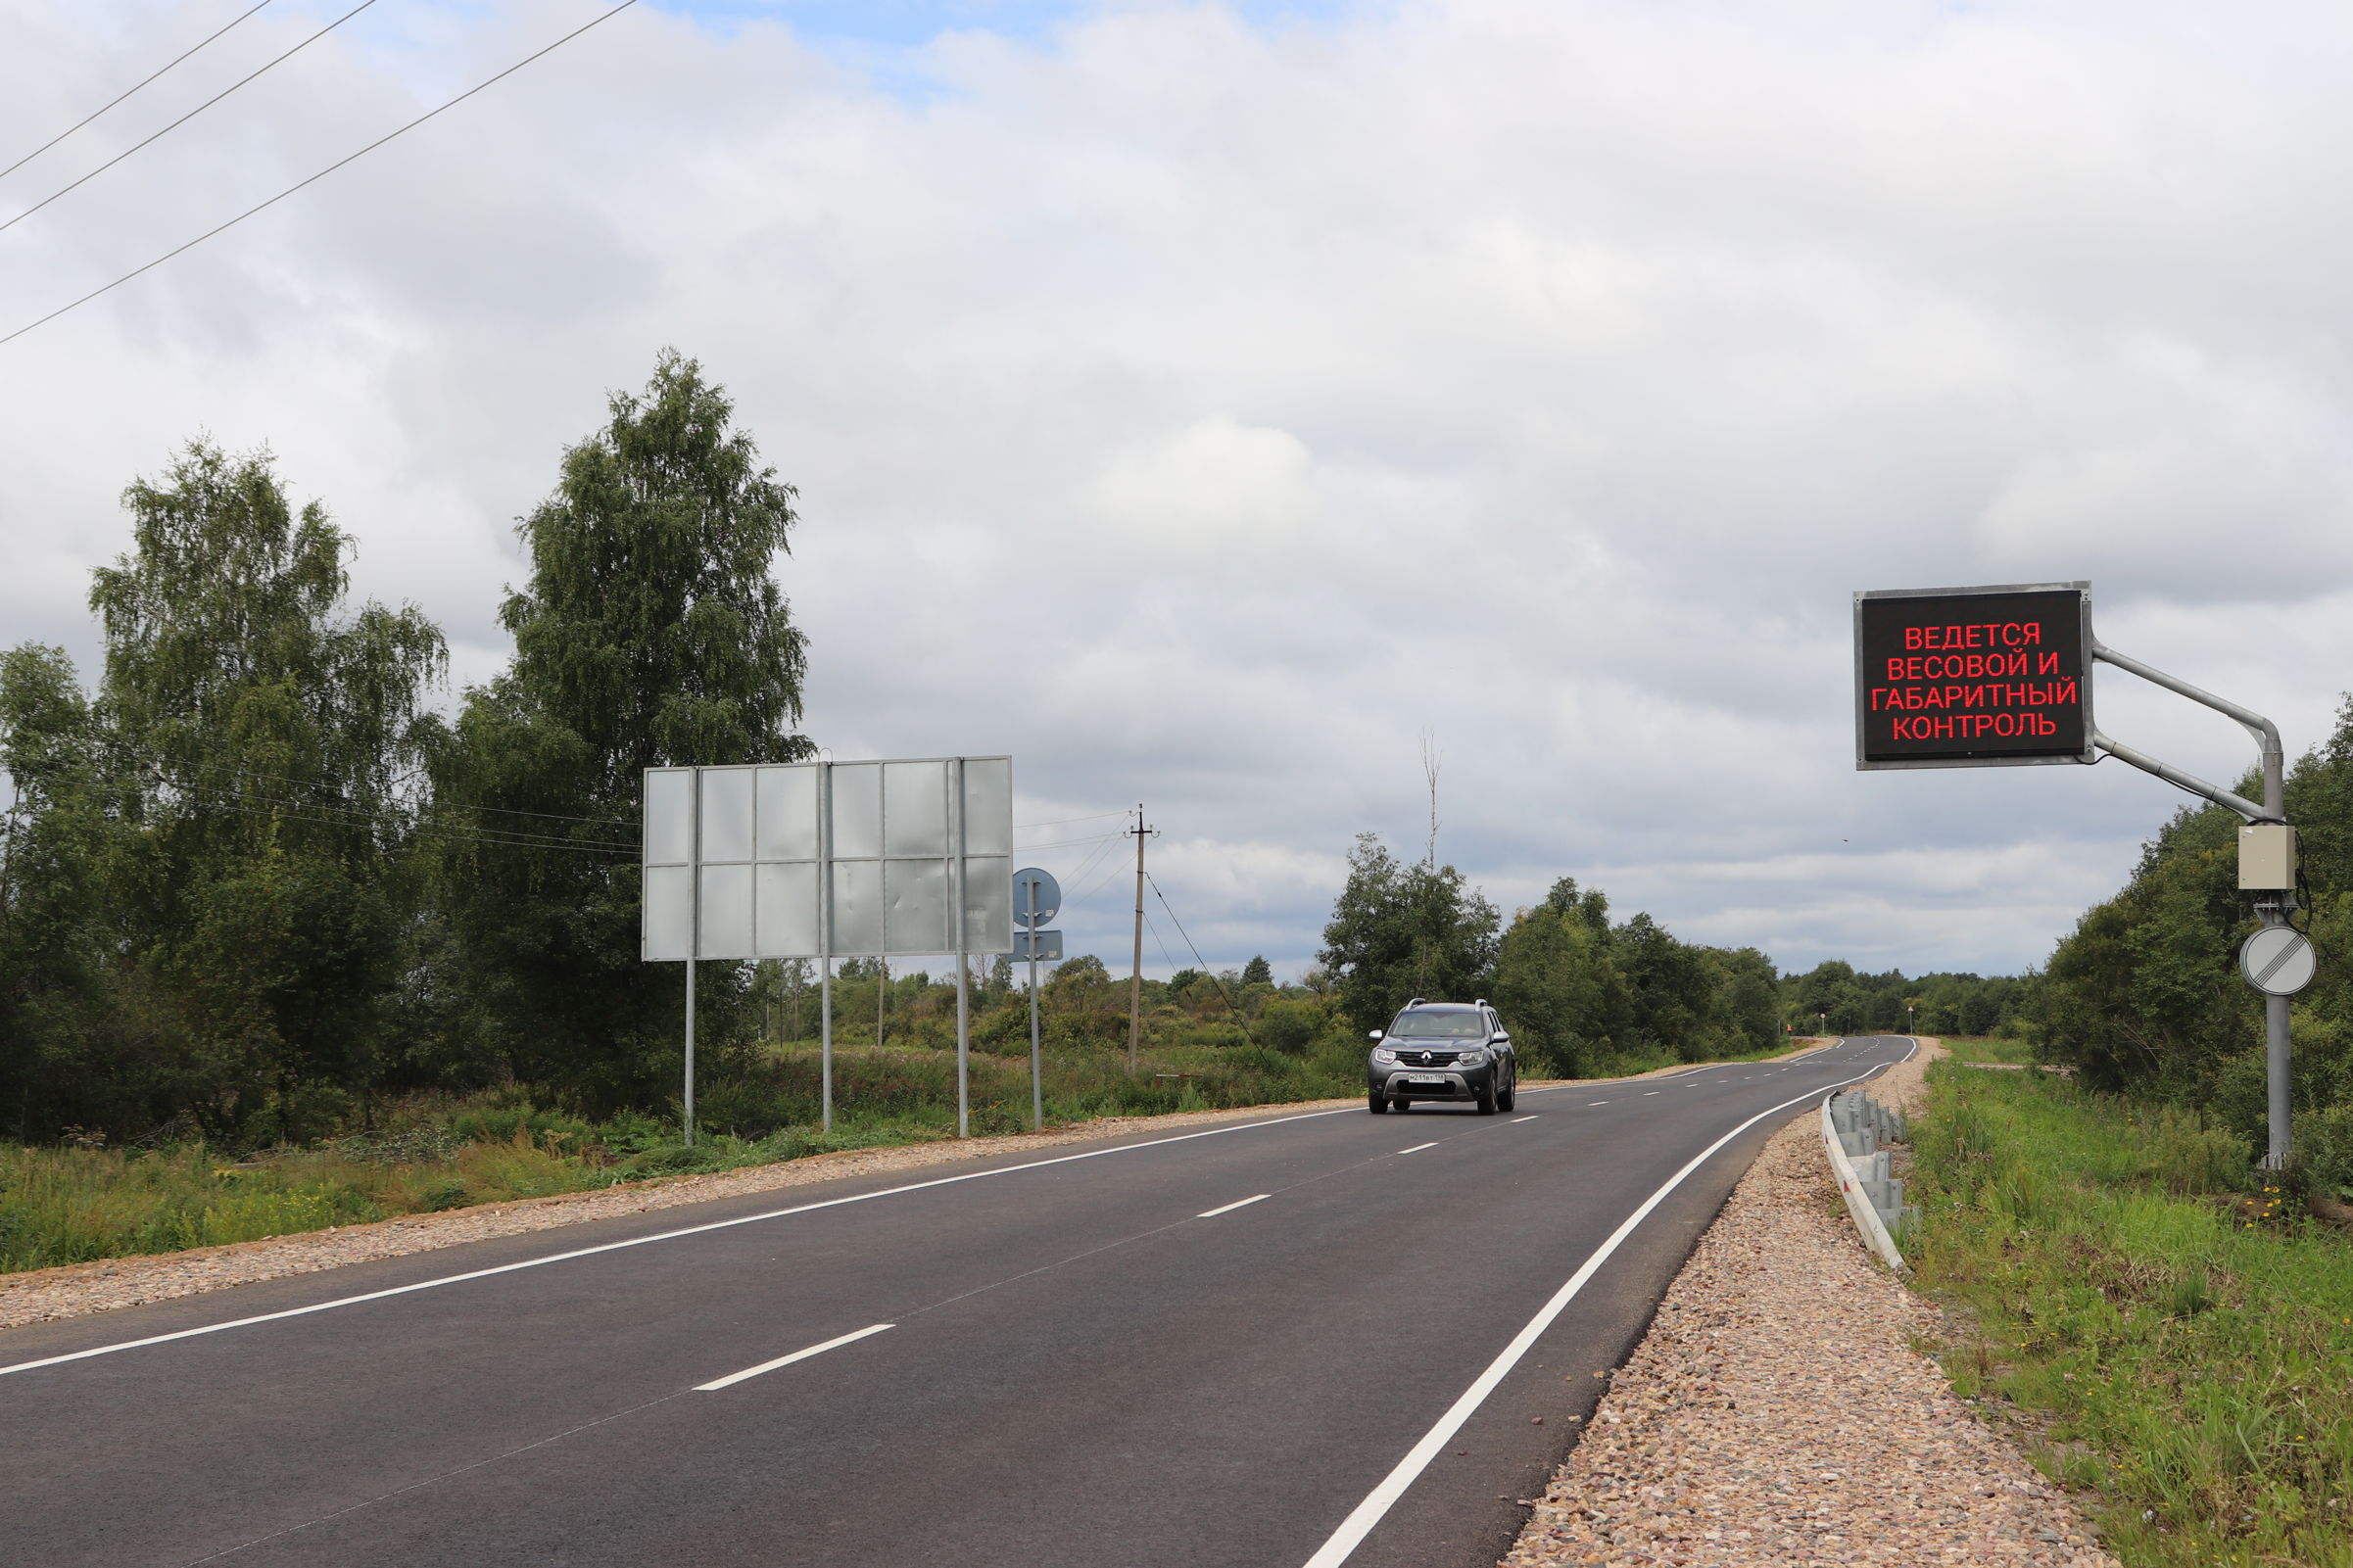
1427	1058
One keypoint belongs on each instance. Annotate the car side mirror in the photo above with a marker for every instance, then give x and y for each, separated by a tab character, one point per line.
1373	1035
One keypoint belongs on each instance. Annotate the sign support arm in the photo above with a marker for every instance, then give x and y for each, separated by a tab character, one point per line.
2266	734
2183	780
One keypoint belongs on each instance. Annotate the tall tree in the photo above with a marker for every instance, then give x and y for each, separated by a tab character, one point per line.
1745	1010
1398	931
59	1062
1556	985
259	741
650	633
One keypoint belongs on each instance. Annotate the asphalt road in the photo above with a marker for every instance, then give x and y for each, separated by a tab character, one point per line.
1301	1340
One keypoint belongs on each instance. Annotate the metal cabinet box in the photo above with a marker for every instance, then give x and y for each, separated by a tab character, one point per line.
2267	858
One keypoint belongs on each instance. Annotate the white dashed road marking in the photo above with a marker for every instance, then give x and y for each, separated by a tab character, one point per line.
787	1360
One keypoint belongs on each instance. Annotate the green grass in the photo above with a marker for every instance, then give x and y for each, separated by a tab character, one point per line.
2175	1341
1989	1048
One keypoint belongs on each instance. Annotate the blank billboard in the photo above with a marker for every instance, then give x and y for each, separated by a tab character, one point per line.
824	859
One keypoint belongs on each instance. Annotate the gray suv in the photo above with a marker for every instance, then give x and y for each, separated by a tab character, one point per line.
1441	1051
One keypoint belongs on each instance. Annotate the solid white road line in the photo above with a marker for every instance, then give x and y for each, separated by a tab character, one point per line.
733	1378
1417	1148
646	1241
1360	1522
1211	1214
1523	1119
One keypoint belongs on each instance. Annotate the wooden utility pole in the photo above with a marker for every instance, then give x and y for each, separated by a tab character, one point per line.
1136	974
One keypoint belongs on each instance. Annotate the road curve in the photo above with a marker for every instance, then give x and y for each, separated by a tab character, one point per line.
1295	1340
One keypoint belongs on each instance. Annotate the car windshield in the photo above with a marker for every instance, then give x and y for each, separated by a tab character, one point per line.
1423	1024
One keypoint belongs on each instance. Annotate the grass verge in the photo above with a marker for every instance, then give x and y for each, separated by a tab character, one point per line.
2176	1343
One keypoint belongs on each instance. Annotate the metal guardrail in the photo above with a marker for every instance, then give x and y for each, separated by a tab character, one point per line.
1853	1126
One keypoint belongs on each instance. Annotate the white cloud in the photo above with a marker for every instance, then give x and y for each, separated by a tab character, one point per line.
1542	377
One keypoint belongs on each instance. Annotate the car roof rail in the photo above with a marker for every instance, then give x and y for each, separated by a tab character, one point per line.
1478	1001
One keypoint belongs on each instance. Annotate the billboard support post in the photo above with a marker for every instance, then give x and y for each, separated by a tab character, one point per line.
955	874
686	1109
2002	676
825	946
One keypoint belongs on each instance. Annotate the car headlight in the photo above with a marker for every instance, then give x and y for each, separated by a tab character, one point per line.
1471	1058
1384	1055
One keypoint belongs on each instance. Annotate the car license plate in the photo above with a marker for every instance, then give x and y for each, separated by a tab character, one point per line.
1427	1079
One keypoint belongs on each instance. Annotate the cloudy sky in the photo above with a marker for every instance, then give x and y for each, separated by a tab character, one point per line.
1207	403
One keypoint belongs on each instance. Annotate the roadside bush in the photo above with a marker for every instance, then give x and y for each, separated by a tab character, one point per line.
521	1123
2324	1157
1291	1027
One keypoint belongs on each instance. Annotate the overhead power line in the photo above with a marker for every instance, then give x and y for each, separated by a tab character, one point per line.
595	22
286	814
394	818
185	118
320	781
1068	843
453	805
1153	926
1189	942
1061	821
1109	867
125	93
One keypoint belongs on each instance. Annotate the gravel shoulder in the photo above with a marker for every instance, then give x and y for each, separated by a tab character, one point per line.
46	1295
1776	1412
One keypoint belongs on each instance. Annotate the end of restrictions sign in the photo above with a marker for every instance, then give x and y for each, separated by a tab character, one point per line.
1973	677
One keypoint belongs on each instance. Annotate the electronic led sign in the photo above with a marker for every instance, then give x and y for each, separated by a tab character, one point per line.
1973	677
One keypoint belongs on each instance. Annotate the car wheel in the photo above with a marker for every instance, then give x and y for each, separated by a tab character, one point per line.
1511	1094
1487	1097
1377	1103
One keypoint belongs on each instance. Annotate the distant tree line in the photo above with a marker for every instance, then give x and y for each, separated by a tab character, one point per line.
1583	994
1580	994
1834	996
